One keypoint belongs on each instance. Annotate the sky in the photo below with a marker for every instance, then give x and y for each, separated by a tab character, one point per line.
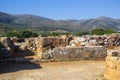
63	9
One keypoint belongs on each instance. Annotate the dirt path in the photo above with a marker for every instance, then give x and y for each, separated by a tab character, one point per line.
73	70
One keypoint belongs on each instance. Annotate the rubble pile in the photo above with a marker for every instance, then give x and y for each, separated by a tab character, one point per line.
112	71
96	40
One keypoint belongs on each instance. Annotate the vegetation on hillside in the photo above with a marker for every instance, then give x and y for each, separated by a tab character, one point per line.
27	33
21	34
37	23
99	31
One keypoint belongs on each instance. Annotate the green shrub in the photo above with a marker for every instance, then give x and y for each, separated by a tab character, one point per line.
21	34
99	31
108	31
12	33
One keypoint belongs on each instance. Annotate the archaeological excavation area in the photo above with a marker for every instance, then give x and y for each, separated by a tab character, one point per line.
64	57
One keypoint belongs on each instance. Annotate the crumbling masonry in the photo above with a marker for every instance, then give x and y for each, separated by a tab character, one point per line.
60	47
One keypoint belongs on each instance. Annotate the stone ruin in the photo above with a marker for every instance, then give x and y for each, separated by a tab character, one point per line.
109	40
66	48
59	47
112	71
6	48
78	53
72	47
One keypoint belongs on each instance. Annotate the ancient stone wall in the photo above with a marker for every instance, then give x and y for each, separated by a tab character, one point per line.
45	44
109	40
112	71
47	47
6	48
76	53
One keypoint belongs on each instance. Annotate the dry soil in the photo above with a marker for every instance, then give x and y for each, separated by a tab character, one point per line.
69	70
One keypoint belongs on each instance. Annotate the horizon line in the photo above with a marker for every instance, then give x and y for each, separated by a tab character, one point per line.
58	19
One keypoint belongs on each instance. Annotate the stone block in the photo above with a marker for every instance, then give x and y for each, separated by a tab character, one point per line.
112	71
112	62
113	53
118	64
73	53
6	47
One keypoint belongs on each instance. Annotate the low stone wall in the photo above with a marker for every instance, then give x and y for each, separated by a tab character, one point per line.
76	53
112	71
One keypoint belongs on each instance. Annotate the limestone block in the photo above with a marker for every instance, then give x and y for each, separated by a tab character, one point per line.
5	41
47	54
45	41
113	52
6	47
73	53
118	64
112	71
112	62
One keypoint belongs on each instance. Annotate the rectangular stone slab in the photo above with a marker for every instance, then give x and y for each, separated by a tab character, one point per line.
73	53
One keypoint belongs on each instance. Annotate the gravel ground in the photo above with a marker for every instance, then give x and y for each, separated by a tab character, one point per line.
71	70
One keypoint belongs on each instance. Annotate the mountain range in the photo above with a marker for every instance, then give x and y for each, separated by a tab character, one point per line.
38	23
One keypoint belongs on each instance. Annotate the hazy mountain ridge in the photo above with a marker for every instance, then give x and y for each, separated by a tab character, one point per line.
37	23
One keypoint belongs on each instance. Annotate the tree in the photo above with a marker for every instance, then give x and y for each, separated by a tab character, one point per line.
21	34
12	34
99	31
27	33
108	31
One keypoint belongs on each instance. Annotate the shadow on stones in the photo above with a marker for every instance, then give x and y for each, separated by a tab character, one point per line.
6	67
12	58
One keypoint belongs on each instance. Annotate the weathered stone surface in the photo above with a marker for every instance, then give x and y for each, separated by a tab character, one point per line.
73	53
6	42
41	45
47	54
111	62
112	71
118	64
47	43
31	44
96	40
6	47
113	53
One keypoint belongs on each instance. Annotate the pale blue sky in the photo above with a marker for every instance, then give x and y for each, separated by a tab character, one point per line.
63	9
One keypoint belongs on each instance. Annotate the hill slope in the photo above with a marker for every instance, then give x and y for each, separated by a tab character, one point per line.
37	23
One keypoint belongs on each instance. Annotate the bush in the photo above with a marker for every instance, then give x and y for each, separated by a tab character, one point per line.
22	34
12	34
108	31
98	31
